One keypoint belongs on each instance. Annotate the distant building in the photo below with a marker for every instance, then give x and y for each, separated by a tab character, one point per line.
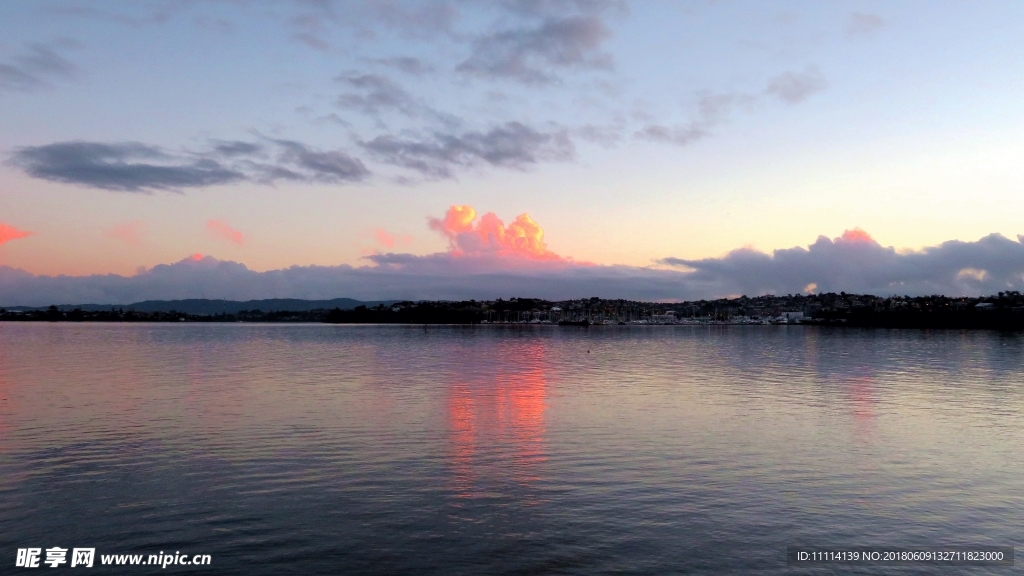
663	318
792	317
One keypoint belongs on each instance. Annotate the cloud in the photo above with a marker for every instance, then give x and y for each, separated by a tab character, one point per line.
148	13
314	24
406	64
316	166
795	87
223	231
607	136
681	135
854	262
549	7
862	24
487	259
712	109
127	166
527	55
511	145
137	167
8	233
398	276
523	238
389	240
376	93
130	233
715	109
34	68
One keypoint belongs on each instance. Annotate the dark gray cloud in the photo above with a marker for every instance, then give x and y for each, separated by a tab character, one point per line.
376	93
795	87
136	167
35	67
314	165
127	166
511	145
529	54
855	263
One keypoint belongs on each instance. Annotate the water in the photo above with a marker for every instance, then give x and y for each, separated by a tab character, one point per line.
308	449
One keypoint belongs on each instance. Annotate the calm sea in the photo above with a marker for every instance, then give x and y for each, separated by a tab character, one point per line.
309	449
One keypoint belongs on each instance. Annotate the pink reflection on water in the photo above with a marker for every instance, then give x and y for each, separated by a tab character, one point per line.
6	408
861	392
496	422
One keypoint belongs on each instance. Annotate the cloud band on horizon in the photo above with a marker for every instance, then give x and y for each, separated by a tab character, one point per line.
487	259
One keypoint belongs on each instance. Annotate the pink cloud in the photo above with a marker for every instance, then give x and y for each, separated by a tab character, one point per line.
856	235
523	238
130	232
389	240
8	233
223	231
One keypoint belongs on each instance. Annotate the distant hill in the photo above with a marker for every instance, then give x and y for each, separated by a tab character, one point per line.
205	307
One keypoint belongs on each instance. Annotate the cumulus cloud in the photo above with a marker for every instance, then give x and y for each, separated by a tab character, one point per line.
511	145
854	262
795	87
35	67
528	54
137	167
8	233
488	235
130	233
223	231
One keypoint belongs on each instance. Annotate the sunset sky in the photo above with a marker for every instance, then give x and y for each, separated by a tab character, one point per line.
557	139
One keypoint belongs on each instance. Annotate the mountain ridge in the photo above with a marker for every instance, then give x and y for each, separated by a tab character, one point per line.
207	307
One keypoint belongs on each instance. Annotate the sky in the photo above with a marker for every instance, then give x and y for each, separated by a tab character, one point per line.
556	148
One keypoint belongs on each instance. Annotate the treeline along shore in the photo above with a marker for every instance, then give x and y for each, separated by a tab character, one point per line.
1003	311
